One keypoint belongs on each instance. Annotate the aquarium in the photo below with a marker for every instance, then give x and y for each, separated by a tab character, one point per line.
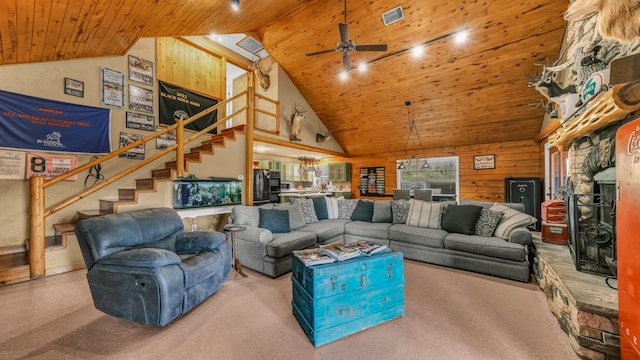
204	193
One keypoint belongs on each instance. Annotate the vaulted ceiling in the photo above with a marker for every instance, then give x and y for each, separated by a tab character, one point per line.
467	94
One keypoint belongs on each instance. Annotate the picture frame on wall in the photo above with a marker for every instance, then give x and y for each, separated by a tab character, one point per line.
73	87
482	162
140	70
140	121
136	153
112	87
166	140
140	99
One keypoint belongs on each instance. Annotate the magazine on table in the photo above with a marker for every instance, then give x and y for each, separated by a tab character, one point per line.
312	257
340	251
368	248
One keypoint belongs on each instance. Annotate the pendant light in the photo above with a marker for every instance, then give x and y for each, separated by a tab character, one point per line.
412	127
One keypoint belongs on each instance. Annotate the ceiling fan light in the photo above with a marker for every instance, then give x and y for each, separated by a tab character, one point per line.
363	67
343	75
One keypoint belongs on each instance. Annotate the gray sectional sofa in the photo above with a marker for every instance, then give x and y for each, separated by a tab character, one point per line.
418	235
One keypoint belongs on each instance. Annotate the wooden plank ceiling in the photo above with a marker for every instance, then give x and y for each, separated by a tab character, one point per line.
468	94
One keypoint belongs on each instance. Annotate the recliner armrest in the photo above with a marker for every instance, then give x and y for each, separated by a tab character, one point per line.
198	241
142	257
521	235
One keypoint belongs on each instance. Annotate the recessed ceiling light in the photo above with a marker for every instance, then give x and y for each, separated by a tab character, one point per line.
461	36
417	51
343	75
235	5
363	67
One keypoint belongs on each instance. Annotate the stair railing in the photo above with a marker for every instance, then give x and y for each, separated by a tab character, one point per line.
37	185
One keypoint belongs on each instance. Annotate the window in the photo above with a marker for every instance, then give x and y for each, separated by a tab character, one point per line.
441	174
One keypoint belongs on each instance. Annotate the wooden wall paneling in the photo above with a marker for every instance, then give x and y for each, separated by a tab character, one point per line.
95	28
131	25
25	30
8	42
40	20
71	35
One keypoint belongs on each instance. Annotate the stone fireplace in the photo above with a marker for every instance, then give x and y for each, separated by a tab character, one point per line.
591	202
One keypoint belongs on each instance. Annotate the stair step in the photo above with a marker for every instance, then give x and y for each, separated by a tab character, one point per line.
206	148
145	184
126	194
59	239
162	174
85	214
194	156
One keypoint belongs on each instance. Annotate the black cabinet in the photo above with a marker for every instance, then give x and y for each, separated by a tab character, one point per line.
527	191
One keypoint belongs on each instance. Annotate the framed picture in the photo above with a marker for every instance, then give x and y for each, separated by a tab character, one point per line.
137	152
140	121
73	87
140	70
140	99
166	140
112	87
481	162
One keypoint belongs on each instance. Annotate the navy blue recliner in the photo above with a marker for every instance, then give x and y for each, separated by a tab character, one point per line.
143	267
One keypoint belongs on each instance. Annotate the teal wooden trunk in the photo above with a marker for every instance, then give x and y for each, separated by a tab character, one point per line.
331	301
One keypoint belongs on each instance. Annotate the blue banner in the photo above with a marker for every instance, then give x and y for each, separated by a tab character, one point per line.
28	122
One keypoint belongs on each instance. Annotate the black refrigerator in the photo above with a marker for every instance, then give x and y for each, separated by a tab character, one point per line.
261	186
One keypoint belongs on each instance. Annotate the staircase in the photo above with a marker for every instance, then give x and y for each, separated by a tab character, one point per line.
14	260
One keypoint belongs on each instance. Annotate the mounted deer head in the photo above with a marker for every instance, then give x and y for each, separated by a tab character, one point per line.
296	122
262	73
617	19
323	136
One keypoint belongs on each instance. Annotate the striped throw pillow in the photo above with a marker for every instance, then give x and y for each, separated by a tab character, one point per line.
424	214
511	219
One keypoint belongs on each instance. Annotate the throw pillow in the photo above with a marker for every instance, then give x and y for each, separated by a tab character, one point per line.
363	211
487	222
275	220
346	207
320	206
308	210
424	214
511	219
399	211
461	219
381	211
332	208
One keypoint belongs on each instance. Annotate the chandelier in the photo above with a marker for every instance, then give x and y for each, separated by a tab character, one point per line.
412	127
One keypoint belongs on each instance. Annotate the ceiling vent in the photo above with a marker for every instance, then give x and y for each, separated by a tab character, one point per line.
392	16
250	44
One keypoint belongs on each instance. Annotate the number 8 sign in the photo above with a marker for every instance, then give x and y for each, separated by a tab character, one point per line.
50	166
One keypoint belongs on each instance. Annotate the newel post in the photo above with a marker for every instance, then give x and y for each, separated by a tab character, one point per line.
36	239
180	148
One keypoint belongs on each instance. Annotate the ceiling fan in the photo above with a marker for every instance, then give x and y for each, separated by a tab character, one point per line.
346	45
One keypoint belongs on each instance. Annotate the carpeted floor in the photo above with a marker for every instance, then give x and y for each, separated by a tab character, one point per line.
450	314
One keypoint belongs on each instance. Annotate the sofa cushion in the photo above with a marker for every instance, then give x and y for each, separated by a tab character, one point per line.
245	215
275	220
363	211
296	219
417	235
308	210
511	219
461	219
346	207
424	214
332	208
284	243
487	222
367	230
399	211
488	246
326	229
382	211
320	206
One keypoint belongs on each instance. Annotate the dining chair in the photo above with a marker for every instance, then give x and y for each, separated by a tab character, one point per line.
422	194
399	194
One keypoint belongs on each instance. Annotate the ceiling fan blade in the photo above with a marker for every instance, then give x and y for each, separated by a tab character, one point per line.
321	52
346	62
344	32
371	47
